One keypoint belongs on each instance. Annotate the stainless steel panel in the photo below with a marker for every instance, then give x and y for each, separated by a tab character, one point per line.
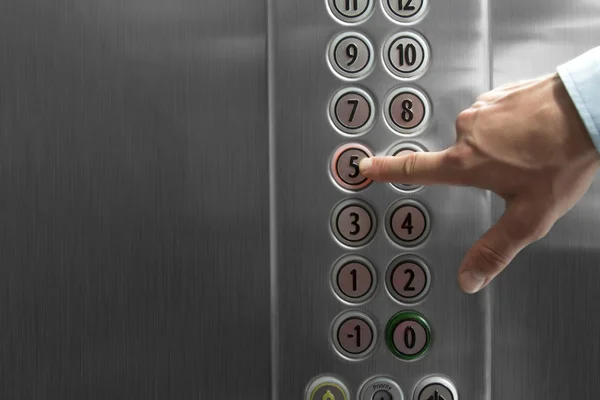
546	304
134	200
304	250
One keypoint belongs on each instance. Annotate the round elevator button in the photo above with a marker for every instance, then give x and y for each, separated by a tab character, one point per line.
351	11
408	335
354	335
351	55
380	388
354	278
407	111
406	55
344	166
407	223
327	388
435	388
405	11
352	111
403	149
353	222
407	279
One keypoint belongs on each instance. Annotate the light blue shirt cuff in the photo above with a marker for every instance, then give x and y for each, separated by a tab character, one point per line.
581	77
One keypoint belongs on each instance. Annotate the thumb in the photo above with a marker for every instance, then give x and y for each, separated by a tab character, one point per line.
516	229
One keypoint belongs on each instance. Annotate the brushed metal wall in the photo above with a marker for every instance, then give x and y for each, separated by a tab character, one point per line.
547	303
134	252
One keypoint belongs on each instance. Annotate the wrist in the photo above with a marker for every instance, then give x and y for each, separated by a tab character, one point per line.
578	141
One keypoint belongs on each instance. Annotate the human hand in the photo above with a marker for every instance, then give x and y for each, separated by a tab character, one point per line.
524	142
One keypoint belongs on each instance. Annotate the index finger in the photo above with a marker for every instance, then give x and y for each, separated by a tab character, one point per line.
421	168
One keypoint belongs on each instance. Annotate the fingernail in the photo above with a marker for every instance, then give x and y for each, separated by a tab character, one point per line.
472	280
365	164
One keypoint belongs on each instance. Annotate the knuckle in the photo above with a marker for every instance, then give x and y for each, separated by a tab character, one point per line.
384	167
492	257
465	119
410	164
531	226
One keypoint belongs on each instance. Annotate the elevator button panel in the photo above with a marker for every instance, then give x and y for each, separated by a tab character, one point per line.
351	11
354	335
407	55
353	222
351	55
408	335
327	388
380	388
354	278
344	166
408	279
435	388
408	223
407	111
352	111
380	257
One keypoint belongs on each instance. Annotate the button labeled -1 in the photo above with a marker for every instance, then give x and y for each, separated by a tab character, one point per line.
344	166
354	335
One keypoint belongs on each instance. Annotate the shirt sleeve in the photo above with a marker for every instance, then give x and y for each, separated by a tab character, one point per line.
581	77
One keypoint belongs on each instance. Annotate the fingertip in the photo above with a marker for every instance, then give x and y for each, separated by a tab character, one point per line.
472	280
365	166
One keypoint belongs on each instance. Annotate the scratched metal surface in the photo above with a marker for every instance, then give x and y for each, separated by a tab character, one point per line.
133	200
546	305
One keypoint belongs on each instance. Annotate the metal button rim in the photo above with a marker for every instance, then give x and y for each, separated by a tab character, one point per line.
390	287
324	380
407	76
350	76
390	231
333	222
338	125
339	320
406	188
367	393
343	261
397	319
333	167
387	112
350	21
407	21
432	380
